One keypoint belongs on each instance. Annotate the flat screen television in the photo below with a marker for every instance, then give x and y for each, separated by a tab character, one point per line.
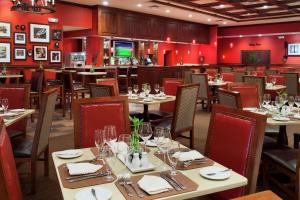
294	49
123	48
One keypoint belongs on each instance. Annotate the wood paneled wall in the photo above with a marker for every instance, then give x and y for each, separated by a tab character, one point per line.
122	23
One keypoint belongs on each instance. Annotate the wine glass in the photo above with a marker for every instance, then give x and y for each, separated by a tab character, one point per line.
110	137
129	89
174	147
163	142
278	103
147	90
99	142
273	81
162	91
135	88
157	134
124	144
267	99
297	102
156	88
291	102
5	104
109	155
145	132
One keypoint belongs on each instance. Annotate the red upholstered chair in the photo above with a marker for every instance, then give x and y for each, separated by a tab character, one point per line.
258	73
279	79
18	97
212	72
9	181
111	82
261	68
95	113
249	94
239	147
170	86
228	76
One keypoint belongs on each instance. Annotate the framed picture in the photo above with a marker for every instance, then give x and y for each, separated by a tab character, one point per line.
40	33
5	30
56	34
5	52
20	54
20	38
40	53
294	49
55	56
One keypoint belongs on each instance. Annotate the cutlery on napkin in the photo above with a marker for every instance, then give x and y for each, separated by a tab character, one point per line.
154	184
69	152
82	168
186	156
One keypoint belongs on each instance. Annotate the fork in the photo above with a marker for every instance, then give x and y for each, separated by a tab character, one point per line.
215	173
121	181
128	181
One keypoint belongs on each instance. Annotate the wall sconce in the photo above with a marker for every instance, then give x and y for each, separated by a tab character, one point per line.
189	52
176	52
168	39
164	51
231	45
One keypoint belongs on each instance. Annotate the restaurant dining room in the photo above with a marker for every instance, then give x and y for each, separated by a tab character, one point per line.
149	99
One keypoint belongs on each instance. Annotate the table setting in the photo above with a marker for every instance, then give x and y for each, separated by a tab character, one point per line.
145	95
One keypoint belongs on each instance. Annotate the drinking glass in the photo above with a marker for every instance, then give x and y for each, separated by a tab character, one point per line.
278	103
99	142
157	134
145	132
110	137
147	90
174	147
267	99
162	91
109	155
291	102
124	144
163	142
156	88
129	91
5	104
135	88
273	81
297	102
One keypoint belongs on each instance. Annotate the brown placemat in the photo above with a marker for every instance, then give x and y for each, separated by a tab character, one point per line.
63	173
193	165
190	186
95	151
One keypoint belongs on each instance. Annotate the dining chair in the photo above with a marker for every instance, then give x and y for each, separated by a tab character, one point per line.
112	82
238	76
229	98
260	81
249	93
18	98
239	147
264	195
292	83
97	90
240	69
285	162
10	188
187	76
31	150
184	113
228	76
225	69
204	94
123	78
72	89
96	113
261	68
36	89
271	72
212	72
280	79
258	73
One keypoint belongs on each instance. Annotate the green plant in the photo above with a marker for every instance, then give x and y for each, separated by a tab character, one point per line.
282	95
135	138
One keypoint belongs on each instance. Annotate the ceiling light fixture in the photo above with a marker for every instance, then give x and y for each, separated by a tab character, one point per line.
265	7
224	23
139	5
222	6
209	19
190	15
105	3
168	11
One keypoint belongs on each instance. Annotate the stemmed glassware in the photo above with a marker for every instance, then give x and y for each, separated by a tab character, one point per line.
273	81
297	102
174	148
124	145
129	89
4	102
145	132
291	102
157	134
162	91
110	138
99	142
163	142
267	99
156	88
278	103
135	89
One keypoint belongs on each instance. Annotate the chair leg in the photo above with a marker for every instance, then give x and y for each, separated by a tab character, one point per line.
33	177
265	173
46	162
192	138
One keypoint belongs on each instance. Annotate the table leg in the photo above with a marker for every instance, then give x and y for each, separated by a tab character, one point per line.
282	137
146	113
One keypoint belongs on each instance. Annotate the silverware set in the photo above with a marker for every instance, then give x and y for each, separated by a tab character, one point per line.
197	162
172	181
219	172
76	178
127	181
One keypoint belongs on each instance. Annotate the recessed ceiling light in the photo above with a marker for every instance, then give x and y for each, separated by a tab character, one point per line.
241	36
105	3
209	19
265	7
224	22
222	6
139	5
259	35
190	15
167	11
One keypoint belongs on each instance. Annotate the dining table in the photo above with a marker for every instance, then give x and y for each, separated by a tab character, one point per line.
8	121
201	186
146	103
90	77
275	88
13	76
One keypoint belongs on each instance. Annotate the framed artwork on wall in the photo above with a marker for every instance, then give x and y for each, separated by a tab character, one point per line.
56	34
293	49
55	56
20	54
5	52
20	38
40	53
40	33
5	29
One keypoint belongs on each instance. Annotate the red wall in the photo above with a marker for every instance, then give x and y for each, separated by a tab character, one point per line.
229	49
65	15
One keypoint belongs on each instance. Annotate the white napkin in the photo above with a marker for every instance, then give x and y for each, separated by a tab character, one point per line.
154	184
118	147
8	114
69	152
82	168
190	155
18	110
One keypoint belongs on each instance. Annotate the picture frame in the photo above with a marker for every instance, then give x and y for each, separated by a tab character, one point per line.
20	54
40	53
293	49
39	33
20	38
55	56
5	30
5	52
56	34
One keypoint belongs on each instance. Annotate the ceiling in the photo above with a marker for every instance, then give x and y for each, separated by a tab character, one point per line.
212	12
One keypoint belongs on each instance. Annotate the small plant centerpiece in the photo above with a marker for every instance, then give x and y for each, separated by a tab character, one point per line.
135	138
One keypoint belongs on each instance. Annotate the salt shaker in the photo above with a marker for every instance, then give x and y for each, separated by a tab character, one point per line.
144	160
136	160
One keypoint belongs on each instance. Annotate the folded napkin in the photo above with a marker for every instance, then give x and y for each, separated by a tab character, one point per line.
119	147
82	168
69	152
8	114
18	110
190	155
154	184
